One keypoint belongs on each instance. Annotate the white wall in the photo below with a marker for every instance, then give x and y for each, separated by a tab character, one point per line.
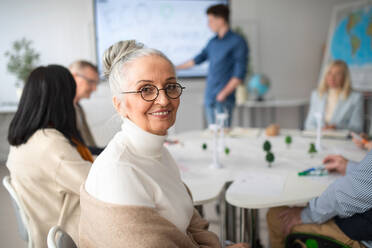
287	39
62	31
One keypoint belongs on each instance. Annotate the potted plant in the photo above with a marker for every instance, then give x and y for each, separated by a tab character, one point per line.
22	60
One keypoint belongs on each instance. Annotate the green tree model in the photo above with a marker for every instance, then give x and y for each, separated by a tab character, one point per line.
270	158
312	149
288	140
204	146
227	150
267	146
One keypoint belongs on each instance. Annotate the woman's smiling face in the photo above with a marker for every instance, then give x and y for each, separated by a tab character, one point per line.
155	116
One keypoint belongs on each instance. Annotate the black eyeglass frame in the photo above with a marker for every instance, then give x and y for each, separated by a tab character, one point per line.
157	91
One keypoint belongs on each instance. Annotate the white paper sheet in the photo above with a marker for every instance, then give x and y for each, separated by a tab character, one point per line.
259	184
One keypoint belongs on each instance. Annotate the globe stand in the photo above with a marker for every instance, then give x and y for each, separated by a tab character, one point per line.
260	99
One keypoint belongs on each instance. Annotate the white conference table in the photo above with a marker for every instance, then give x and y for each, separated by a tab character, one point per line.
247	157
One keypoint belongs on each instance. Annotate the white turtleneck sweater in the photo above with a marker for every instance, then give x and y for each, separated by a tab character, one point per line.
136	169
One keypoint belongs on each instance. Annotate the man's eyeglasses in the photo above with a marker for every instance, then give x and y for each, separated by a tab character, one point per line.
150	92
90	81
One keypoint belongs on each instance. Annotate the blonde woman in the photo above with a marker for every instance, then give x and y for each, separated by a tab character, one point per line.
134	196
341	107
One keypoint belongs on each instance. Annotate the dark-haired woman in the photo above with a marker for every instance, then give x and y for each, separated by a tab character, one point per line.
48	160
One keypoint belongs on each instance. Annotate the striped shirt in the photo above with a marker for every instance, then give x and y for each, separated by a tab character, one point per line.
345	197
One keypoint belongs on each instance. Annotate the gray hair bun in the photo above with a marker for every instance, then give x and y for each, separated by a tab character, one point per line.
117	52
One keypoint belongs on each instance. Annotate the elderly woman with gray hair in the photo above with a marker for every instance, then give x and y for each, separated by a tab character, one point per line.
134	196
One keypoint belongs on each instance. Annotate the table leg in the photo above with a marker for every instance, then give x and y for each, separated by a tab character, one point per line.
252	118
204	118
249	224
222	203
301	113
252	236
241	115
243	224
229	218
273	115
230	222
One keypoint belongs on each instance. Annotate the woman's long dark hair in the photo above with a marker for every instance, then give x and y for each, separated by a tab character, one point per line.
47	101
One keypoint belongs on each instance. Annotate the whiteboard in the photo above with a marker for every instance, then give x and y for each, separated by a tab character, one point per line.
178	28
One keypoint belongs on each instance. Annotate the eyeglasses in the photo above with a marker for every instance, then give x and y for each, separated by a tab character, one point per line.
90	81
150	92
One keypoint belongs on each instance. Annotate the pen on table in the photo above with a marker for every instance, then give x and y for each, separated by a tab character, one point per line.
310	170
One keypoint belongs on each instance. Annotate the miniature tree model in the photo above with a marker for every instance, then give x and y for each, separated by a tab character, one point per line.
288	140
269	155
227	150
270	158
312	149
267	146
204	146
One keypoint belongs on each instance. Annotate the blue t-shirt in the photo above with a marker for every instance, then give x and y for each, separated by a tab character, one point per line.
227	58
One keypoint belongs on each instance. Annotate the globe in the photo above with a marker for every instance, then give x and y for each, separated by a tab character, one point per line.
258	85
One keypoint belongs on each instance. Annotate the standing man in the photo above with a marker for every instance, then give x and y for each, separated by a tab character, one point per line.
87	79
227	53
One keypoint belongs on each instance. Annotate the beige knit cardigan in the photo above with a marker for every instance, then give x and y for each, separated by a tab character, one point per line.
111	225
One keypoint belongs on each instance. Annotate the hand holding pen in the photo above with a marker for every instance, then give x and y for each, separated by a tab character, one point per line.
361	141
331	163
335	163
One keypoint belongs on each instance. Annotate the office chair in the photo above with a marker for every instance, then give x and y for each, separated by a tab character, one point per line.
309	240
22	220
57	238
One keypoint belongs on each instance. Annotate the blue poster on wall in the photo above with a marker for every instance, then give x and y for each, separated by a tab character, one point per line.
350	39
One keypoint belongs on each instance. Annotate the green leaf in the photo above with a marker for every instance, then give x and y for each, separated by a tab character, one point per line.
270	157
267	146
22	59
204	146
288	139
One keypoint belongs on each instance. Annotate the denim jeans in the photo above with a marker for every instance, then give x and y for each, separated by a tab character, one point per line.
219	107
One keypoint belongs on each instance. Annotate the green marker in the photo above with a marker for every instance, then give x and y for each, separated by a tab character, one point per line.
314	171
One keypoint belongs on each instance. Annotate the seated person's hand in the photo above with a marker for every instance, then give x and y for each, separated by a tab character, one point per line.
329	127
335	163
289	218
361	141
368	145
239	245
